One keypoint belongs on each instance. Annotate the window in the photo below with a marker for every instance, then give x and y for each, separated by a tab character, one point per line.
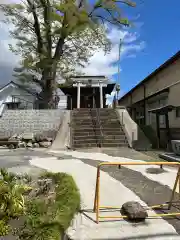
12	105
178	112
161	119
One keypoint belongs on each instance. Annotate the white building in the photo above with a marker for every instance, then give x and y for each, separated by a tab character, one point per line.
15	96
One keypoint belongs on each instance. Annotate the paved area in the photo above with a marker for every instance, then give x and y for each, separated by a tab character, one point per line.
148	185
128	152
117	187
18	160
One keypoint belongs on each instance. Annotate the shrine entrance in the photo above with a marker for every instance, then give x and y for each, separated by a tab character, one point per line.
87	92
163	111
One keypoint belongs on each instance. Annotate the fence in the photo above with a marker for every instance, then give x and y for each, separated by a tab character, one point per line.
98	208
32	102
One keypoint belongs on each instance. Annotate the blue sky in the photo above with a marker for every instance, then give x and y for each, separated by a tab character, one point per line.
154	38
160	30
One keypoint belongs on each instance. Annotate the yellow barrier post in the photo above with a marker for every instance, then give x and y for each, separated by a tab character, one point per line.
97	206
177	182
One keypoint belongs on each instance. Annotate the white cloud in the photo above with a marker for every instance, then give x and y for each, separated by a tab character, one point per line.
6	1
109	98
101	64
6	56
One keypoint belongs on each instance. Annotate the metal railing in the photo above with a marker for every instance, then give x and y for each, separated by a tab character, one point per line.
15	102
94	126
100	127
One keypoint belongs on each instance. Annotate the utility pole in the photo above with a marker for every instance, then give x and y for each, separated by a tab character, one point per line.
118	82
120	47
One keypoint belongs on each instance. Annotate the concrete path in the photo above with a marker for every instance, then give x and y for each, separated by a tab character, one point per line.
112	192
117	187
165	178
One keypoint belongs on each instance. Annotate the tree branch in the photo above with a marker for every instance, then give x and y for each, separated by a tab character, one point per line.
61	41
47	22
36	27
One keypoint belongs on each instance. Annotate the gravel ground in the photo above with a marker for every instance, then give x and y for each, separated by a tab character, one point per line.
125	184
151	192
115	190
17	161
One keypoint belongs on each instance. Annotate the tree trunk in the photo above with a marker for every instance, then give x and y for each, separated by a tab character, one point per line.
47	94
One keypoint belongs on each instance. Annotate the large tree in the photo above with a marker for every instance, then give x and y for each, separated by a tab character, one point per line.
52	35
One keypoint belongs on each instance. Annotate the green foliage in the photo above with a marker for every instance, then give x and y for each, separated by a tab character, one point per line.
4	228
46	221
51	41
11	199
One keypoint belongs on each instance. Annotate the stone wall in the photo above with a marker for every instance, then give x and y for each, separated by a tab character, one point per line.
43	122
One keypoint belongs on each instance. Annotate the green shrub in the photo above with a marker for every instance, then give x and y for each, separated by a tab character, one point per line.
47	221
11	200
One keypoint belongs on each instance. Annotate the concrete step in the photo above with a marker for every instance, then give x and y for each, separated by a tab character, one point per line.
82	121
79	129
91	126
92	131
108	145
108	137
103	119
83	126
85	145
89	141
109	120
114	145
94	113
110	125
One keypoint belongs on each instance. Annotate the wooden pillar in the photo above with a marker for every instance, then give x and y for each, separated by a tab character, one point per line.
158	129
78	95
144	105
101	94
131	111
168	132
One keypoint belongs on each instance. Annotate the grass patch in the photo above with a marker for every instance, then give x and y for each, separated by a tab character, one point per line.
49	208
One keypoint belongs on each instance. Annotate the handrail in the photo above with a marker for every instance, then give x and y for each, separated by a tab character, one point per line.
97	207
99	126
94	125
71	130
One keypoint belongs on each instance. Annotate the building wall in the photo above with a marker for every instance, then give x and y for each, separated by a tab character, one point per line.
126	101
168	78
14	94
165	78
174	99
138	95
63	100
27	100
45	122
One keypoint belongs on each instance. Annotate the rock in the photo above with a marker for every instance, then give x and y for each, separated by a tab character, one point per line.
29	145
21	144
43	138
15	136
28	136
45	144
36	145
11	146
49	139
134	211
45	184
34	193
40	138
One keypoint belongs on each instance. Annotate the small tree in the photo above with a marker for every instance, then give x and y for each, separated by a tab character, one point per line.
54	35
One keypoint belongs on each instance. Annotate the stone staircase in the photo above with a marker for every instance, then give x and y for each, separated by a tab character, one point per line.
96	128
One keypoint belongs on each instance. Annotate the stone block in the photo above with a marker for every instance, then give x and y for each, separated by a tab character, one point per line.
45	144
134	211
28	122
